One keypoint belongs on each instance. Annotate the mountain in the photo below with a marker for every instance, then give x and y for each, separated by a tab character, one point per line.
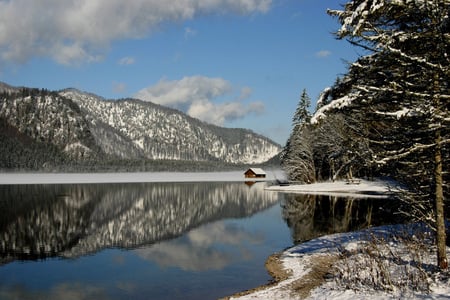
83	128
6	88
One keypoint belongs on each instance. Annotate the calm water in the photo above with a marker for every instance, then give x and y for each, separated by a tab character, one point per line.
157	240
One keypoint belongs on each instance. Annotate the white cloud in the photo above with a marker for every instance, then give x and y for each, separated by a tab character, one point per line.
220	113
246	92
126	61
72	54
189	33
119	87
177	93
196	96
323	53
84	29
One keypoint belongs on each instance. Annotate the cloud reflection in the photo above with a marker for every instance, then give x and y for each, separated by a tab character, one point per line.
211	247
76	291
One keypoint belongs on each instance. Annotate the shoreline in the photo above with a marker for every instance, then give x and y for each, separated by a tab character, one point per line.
130	177
362	189
276	270
308	270
274	264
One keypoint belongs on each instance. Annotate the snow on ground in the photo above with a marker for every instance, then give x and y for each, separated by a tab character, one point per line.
375	188
304	262
64	178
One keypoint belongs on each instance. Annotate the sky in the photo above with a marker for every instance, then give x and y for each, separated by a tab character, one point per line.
233	63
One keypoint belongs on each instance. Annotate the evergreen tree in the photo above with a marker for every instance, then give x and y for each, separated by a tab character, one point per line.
297	156
401	89
302	114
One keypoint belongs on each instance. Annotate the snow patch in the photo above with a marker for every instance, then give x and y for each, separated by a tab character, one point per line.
139	143
364	188
77	147
298	261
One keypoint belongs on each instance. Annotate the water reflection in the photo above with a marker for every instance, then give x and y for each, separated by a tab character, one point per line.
183	240
73	291
38	221
212	247
310	216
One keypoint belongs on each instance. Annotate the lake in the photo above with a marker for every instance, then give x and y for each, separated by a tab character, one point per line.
192	240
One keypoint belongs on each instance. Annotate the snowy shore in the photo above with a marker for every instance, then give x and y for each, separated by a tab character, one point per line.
361	188
309	264
308	267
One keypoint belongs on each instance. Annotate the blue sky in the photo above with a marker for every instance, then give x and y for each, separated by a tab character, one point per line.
234	63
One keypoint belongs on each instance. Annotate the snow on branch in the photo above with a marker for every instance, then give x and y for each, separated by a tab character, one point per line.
445	141
398	114
395	155
368	89
402	153
335	104
414	59
323	97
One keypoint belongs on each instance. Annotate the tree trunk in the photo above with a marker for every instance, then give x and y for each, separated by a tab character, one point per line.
439	194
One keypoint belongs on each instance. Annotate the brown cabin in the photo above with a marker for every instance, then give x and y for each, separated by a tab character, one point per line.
255	173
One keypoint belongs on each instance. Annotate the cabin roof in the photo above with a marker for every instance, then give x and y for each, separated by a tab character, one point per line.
257	171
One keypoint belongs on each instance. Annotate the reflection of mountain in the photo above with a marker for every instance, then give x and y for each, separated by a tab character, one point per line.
72	220
311	216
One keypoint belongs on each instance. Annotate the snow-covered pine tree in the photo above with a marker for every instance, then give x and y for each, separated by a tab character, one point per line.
297	156
302	114
405	87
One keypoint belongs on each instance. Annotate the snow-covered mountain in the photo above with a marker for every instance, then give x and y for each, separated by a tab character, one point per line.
157	132
85	126
6	88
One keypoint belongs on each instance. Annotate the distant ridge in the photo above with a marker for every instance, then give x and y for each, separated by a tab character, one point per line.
6	88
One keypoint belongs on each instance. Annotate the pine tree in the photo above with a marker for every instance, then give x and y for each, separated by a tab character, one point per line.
297	156
302	114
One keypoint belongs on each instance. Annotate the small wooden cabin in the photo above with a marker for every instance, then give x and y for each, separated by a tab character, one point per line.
255	173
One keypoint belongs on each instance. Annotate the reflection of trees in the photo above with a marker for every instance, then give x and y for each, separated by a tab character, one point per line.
70	220
37	221
310	216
